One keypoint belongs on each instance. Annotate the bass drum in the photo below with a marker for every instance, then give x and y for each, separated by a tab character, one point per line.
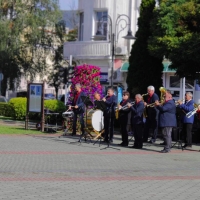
95	120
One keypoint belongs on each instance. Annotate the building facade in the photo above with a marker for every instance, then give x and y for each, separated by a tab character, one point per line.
110	18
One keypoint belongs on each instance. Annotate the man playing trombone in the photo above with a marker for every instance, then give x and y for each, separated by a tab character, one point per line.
152	115
137	110
123	117
167	119
187	122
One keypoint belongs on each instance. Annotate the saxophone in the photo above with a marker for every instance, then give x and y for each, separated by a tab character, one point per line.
145	111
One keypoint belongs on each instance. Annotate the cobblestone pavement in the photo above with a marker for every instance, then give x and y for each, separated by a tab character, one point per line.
50	167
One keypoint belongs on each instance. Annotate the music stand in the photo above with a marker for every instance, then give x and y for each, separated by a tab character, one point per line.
86	100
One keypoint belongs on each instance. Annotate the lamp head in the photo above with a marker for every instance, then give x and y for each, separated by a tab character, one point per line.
129	36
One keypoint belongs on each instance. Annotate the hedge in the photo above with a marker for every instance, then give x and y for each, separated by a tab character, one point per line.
16	108
3	108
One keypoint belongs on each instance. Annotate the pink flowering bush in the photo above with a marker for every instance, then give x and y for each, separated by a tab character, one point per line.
89	78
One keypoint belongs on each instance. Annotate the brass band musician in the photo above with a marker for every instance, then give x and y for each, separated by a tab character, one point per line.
109	115
187	122
152	115
123	117
98	103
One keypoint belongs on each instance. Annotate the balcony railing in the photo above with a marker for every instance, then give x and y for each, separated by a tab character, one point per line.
87	49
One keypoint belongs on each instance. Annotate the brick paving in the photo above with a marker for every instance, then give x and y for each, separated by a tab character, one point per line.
50	167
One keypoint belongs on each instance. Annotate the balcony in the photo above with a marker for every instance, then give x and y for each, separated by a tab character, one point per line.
87	50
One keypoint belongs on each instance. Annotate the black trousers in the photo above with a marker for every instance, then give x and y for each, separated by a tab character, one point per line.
138	132
81	118
150	123
123	129
187	132
108	127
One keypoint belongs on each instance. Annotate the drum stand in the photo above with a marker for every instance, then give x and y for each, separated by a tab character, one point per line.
87	133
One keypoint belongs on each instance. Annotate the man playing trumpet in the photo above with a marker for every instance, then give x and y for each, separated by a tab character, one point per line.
187	122
137	120
123	118
167	119
152	115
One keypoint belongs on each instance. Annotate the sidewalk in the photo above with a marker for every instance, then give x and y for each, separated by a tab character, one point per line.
50	167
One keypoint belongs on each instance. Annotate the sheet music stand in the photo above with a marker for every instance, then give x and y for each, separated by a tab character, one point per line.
86	100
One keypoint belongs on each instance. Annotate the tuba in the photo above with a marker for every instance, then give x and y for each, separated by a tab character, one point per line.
162	93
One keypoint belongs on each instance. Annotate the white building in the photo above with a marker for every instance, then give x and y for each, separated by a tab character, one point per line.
99	52
97	15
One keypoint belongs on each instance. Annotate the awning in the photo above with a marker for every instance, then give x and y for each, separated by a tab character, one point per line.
166	68
124	67
166	64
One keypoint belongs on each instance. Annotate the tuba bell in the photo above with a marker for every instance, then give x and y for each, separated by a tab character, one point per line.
162	93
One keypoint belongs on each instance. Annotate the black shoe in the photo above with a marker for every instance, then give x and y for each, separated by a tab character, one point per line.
164	151
163	143
185	145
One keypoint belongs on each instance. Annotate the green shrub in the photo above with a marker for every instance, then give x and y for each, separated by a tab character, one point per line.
16	108
3	108
55	105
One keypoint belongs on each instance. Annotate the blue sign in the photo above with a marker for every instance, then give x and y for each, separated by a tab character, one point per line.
104	77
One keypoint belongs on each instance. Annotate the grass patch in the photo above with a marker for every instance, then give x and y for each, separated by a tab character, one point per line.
16	130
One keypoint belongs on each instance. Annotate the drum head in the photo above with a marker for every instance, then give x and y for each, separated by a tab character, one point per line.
97	120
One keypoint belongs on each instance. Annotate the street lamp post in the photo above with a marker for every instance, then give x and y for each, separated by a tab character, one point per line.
114	35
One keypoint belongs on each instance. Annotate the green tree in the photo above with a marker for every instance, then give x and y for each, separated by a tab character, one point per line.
176	34
144	69
24	27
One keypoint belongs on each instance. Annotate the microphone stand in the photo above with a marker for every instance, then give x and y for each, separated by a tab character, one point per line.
108	144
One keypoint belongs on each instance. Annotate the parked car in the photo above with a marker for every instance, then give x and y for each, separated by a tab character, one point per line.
49	96
3	99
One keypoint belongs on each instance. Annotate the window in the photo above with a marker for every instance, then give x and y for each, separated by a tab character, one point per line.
81	26
101	22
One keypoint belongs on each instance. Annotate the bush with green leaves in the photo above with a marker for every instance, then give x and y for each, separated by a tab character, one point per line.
16	108
3	108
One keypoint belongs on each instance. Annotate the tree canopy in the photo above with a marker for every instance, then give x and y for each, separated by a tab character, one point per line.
144	69
25	34
176	35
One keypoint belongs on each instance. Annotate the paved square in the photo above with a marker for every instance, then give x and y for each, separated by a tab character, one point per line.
50	167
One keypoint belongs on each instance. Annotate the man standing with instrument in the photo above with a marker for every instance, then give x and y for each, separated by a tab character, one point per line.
123	117
78	108
98	103
152	115
167	119
109	115
137	110
187	122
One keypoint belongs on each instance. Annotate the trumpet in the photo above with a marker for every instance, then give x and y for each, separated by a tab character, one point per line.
144	94
177	102
193	112
153	104
126	106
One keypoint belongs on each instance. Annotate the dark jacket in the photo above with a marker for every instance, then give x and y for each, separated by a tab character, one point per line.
124	112
167	114
79	103
137	113
110	106
187	107
152	112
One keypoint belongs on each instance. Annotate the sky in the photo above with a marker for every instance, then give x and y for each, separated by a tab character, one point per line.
68	4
